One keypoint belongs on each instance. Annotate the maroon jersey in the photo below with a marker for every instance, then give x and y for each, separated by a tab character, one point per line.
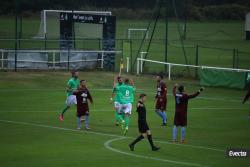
247	96
161	96
161	90
181	105
82	97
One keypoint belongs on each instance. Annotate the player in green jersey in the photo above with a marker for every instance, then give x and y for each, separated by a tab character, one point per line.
127	99
72	85
117	100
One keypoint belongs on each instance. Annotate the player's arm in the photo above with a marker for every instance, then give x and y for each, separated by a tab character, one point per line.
195	94
246	97
114	89
132	82
174	89
69	87
139	107
90	97
164	88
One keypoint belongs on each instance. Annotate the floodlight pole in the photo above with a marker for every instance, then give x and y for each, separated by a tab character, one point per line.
16	31
185	20
166	34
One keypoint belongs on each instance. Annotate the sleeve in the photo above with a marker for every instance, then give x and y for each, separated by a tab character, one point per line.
90	97
193	95
164	89
246	97
76	93
174	91
139	108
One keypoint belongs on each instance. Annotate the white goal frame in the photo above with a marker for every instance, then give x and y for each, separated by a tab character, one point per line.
43	23
143	30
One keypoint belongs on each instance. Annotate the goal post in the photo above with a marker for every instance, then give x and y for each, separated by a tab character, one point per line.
141	31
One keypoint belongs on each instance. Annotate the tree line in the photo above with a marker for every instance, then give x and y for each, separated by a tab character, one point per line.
194	9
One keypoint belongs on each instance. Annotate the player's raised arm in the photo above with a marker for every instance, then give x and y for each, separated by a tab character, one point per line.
174	89
132	82
195	94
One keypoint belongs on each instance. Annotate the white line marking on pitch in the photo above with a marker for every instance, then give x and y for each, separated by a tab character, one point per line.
108	143
104	110
108	89
106	134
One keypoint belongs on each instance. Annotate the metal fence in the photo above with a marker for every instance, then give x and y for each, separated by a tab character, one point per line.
53	59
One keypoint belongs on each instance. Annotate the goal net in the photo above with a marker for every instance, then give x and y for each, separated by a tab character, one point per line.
50	24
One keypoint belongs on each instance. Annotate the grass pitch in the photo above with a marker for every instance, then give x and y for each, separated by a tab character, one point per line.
32	135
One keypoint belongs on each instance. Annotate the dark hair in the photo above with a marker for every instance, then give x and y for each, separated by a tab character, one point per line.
73	72
126	80
160	75
142	95
83	80
181	88
118	78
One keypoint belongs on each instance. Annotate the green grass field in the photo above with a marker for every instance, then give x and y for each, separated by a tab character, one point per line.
32	135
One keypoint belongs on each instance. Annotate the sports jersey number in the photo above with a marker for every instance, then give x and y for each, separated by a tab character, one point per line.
178	101
127	92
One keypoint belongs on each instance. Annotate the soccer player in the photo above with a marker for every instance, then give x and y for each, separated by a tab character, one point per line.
143	125
126	92
161	99
246	98
83	96
117	100
72	85
181	105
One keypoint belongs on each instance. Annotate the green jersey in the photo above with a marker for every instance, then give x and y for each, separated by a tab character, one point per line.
126	94
118	95
72	84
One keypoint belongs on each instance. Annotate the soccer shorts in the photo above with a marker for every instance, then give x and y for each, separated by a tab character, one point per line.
127	108
117	106
161	104
71	100
82	110
180	119
142	126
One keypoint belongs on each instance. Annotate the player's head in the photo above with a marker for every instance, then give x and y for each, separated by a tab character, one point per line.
159	77
83	83
126	81
181	88
74	73
119	79
142	97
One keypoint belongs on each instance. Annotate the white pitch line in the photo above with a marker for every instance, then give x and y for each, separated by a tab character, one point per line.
111	109
106	134
108	89
108	143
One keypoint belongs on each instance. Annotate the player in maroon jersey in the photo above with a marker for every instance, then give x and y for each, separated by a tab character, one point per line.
181	105
161	99
246	98
82	96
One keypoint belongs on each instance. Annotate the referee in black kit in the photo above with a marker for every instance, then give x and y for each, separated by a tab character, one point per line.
142	125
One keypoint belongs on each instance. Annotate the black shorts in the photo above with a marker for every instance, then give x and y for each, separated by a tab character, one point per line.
143	126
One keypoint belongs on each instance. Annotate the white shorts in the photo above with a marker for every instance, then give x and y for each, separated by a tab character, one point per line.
71	100
117	106
127	108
